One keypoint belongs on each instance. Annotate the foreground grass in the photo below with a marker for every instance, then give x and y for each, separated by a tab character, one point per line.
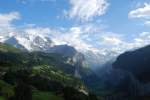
2	98
38	95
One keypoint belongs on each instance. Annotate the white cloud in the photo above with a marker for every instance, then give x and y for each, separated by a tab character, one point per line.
81	36
141	40
6	20
142	12
111	39
85	10
147	23
71	37
37	31
89	38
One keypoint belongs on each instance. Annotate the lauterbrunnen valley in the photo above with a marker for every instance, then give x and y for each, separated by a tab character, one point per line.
74	49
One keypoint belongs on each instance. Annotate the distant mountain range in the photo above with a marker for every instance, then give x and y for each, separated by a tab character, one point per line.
35	42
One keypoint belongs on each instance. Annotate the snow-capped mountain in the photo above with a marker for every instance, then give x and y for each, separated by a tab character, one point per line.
30	42
36	42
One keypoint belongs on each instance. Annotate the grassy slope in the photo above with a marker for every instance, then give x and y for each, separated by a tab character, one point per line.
39	95
2	98
7	48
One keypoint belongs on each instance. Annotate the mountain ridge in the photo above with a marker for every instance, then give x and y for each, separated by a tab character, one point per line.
36	42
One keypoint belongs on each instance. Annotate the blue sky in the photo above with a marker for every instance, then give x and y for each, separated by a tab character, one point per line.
46	12
115	24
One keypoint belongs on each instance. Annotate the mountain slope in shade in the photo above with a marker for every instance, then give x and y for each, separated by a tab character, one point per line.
128	77
65	50
13	41
137	62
